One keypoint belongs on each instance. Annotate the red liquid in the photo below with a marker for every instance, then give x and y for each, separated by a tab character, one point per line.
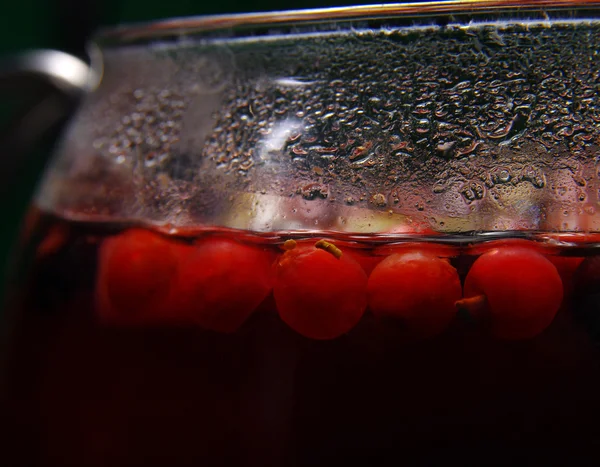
84	391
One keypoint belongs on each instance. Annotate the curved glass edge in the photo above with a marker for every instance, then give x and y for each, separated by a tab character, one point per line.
444	12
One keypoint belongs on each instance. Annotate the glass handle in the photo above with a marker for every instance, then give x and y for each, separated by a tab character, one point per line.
38	91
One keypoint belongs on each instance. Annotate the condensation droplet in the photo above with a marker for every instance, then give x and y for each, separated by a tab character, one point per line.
379	200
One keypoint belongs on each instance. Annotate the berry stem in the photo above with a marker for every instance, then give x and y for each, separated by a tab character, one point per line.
329	248
289	244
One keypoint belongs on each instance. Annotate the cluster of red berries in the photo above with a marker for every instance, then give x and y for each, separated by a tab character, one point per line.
322	292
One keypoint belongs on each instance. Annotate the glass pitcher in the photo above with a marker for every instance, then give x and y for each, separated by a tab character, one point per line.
315	238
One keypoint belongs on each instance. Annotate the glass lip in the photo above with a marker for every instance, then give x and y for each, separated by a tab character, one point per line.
198	24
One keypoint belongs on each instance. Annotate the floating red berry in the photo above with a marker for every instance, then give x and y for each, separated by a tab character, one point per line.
515	289
134	274
416	288
221	283
319	291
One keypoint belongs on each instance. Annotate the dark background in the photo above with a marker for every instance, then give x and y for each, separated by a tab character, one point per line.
67	25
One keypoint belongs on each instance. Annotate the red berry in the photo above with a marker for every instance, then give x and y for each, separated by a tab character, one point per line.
417	288
586	296
484	247
318	293
134	274
221	283
566	266
434	249
586	277
516	288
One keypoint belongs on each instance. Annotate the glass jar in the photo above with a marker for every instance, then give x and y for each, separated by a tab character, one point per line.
363	234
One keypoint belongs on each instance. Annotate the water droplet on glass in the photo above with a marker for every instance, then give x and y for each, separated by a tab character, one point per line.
379	200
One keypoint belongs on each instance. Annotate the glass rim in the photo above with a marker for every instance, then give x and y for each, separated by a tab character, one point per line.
198	24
